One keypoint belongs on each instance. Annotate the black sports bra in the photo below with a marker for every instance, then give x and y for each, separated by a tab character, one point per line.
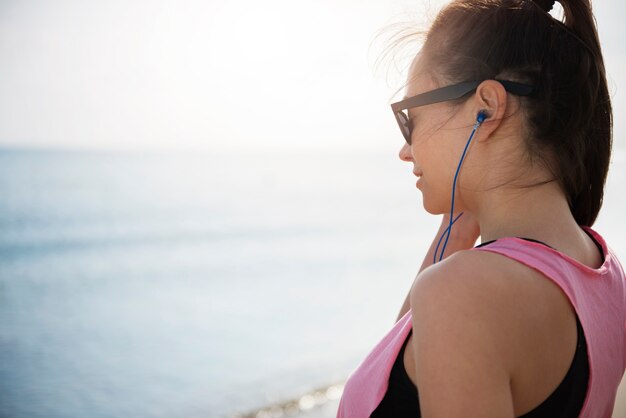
402	398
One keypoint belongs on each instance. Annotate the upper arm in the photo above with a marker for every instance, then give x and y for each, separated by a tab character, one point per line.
459	312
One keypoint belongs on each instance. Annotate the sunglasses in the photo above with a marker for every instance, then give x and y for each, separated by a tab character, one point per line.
444	94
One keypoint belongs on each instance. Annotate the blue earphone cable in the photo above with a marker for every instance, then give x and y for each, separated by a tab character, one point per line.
447	230
480	119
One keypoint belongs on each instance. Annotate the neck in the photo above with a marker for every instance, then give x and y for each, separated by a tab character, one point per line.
540	213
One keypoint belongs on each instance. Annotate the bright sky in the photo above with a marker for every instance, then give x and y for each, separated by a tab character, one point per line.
195	74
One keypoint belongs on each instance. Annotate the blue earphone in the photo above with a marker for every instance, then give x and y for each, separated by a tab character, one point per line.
480	118
482	115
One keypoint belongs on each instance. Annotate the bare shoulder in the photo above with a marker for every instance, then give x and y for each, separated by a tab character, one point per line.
495	292
460	339
484	326
468	277
479	291
489	281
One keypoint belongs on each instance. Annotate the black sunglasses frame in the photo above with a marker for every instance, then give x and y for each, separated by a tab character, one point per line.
444	94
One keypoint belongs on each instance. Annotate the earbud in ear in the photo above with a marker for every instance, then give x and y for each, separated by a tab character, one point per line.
482	115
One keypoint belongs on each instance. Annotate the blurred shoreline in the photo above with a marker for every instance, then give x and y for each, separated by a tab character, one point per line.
321	402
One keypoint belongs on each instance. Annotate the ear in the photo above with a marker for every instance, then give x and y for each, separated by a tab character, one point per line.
492	98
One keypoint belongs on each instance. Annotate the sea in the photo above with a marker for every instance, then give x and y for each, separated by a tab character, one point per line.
206	284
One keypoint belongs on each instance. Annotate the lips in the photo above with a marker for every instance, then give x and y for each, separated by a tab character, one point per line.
417	174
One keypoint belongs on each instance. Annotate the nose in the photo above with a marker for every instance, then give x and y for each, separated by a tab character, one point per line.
405	153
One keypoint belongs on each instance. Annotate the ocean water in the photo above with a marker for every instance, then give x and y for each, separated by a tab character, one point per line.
206	284
194	284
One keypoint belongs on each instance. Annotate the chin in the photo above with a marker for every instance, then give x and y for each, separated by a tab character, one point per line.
438	212
435	209
433	204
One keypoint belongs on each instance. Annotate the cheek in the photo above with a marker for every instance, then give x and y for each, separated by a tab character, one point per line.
427	142
429	123
428	156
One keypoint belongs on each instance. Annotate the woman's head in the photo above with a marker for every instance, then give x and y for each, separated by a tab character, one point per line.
564	126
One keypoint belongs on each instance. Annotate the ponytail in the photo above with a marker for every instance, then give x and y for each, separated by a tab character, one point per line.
587	198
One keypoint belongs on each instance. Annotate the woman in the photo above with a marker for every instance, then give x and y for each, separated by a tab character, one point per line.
530	323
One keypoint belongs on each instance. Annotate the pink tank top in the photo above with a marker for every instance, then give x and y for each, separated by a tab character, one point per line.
597	295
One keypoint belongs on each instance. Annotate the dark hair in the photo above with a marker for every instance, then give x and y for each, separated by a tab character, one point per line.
569	115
